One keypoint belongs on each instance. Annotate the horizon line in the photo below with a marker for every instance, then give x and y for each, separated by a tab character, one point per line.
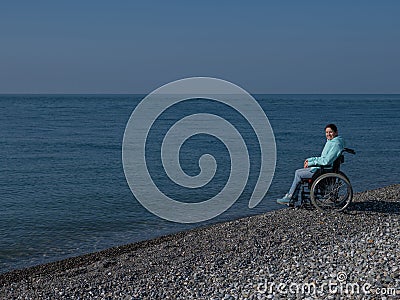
6	94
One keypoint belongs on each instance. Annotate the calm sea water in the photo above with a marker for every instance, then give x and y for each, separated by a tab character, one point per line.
62	185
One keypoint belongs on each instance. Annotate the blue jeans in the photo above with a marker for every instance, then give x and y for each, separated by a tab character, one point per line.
298	175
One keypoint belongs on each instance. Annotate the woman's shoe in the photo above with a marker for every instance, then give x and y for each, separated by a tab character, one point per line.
285	200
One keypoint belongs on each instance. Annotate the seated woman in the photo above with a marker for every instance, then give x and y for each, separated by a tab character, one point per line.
332	150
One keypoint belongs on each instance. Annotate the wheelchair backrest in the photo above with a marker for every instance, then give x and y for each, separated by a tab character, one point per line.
340	159
337	162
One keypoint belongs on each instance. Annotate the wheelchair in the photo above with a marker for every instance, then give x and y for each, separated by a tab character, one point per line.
328	190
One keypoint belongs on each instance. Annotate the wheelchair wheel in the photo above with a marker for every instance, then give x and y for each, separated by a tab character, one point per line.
331	191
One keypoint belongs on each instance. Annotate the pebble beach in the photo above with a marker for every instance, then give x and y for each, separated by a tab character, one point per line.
283	254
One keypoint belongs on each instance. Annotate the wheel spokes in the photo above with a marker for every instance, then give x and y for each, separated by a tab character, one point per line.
331	191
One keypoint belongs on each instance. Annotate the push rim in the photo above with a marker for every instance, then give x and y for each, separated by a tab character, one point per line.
331	191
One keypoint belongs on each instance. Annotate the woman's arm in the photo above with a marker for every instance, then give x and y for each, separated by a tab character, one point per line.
327	158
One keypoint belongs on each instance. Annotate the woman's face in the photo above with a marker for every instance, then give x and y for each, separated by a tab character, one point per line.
330	134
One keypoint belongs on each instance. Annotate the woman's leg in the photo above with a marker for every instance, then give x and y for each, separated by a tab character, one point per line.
298	175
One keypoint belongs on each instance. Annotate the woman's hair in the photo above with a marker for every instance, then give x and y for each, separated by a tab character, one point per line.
331	126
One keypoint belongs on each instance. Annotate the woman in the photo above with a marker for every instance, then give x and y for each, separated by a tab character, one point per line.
332	150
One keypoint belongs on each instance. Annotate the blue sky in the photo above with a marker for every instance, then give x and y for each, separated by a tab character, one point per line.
137	46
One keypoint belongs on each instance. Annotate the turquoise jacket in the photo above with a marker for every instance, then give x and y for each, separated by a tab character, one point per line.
332	150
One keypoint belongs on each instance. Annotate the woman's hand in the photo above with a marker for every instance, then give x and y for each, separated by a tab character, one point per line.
306	163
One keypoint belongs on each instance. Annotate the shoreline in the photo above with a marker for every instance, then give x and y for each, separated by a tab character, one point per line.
235	259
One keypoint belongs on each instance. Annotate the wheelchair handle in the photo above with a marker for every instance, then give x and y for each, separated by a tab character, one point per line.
348	150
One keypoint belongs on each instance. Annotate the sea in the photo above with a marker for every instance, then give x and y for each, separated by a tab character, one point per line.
63	190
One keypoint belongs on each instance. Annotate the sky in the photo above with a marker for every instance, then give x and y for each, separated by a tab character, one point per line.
274	47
